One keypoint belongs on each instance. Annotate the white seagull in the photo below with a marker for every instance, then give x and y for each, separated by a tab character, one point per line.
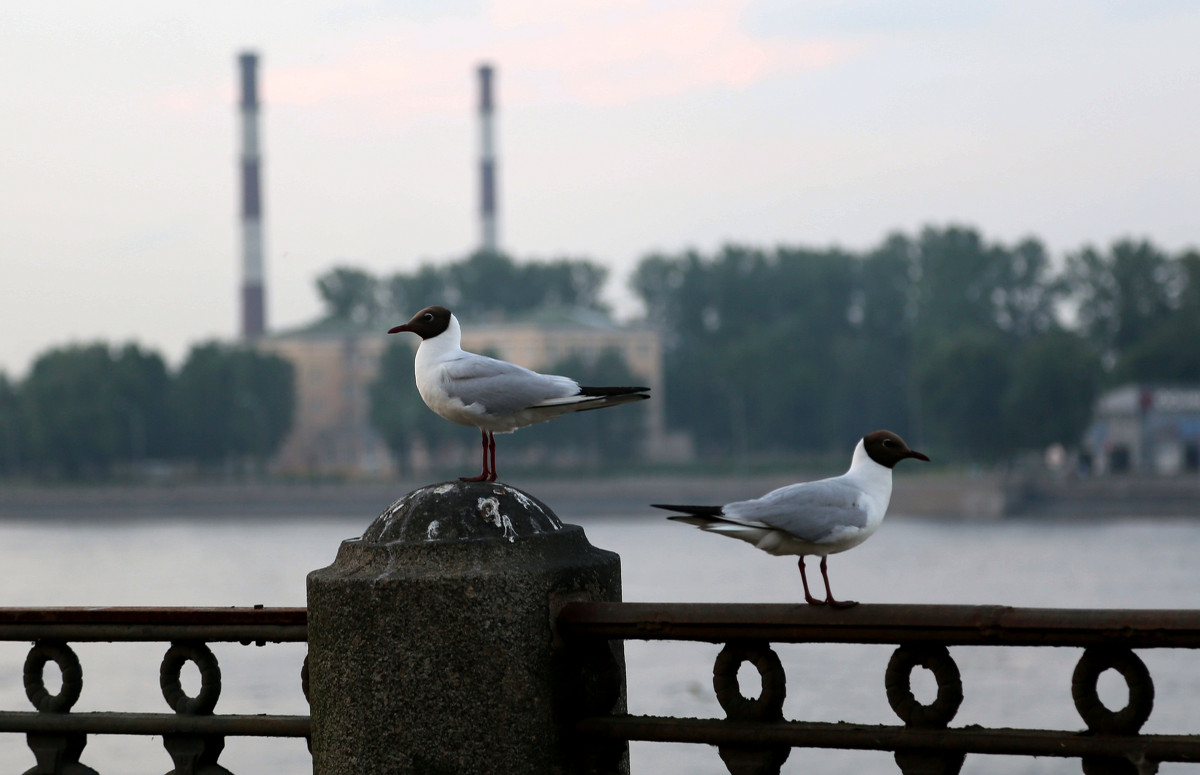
494	396
822	517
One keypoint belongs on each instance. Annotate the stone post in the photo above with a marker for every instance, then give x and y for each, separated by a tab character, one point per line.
432	647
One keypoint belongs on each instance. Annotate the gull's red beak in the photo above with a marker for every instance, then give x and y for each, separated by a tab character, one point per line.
399	328
917	455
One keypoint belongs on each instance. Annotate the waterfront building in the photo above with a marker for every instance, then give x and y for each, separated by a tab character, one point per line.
1141	428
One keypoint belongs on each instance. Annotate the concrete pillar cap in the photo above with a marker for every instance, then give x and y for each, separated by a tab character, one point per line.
452	512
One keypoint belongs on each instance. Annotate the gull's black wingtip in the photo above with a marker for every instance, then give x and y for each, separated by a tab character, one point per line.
593	390
695	511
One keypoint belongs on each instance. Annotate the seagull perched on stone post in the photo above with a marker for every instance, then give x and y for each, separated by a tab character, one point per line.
493	395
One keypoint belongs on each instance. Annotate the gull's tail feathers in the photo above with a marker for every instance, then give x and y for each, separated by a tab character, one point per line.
697	515
711	520
592	398
600	397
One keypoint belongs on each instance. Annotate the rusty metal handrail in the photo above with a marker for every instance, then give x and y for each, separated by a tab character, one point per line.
755	737
949	625
234	624
192	734
870	737
106	723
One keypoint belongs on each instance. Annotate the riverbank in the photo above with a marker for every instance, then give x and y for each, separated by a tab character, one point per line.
984	496
956	495
948	495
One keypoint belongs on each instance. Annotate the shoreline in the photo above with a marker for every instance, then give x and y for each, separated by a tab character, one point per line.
956	495
618	495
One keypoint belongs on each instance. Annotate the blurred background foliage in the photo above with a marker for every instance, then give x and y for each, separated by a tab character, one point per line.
975	350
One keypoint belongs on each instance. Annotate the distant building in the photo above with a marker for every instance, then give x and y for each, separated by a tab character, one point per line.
331	431
1145	429
336	363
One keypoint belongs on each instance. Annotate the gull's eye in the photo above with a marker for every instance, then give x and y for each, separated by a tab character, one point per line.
429	316
889	443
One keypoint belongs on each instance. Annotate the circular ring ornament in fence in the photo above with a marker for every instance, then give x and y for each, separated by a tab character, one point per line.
304	680
769	704
1096	715
35	684
898	682
210	679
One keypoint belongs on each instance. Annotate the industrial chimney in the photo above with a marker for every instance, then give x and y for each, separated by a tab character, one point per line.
487	164
253	310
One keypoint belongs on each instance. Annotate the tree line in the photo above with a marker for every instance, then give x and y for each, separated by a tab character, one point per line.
483	286
95	410
973	348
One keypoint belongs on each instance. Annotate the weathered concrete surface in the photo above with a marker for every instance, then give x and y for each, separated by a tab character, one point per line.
431	647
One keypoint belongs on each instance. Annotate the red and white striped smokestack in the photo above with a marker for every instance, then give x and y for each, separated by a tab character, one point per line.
487	163
253	310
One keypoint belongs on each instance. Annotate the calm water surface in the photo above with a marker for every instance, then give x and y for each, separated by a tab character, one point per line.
1132	563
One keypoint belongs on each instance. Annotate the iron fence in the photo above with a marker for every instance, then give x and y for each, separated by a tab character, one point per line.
193	733
755	738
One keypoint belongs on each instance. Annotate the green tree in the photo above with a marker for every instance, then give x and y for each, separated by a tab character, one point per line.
962	380
408	293
962	283
488	284
142	388
753	341
829	341
1124	294
12	432
568	283
1189	295
1169	353
874	364
350	294
89	407
1170	350
232	403
1025	294
656	281
1049	397
955	274
71	420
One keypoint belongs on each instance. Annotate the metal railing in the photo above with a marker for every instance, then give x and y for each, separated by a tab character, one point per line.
755	738
193	734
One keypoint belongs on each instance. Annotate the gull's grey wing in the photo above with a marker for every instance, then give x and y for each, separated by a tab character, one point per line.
811	511
499	386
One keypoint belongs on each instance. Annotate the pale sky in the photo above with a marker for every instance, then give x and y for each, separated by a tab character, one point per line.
624	127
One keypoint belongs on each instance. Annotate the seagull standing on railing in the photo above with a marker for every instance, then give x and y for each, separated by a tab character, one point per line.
822	517
492	395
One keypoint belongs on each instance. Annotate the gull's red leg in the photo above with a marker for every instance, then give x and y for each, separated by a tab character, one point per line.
828	592
808	598
483	477
491	438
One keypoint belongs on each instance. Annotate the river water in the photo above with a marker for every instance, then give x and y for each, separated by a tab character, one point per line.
1128	563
